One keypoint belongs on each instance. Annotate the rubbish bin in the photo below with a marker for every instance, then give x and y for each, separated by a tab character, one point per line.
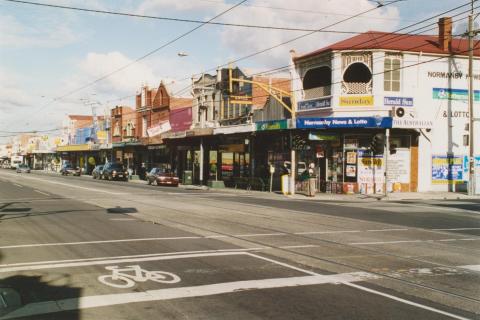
187	177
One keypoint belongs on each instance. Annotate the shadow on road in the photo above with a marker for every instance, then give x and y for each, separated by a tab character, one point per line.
120	210
33	297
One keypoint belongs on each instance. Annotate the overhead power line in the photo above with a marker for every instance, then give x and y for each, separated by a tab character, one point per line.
134	15
145	55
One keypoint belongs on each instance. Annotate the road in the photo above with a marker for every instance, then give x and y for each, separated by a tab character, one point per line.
78	248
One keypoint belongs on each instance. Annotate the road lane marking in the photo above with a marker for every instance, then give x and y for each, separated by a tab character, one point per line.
73	186
415	304
300	246
329	232
412	241
38	191
386	230
260	235
471	267
88	302
456	229
18	185
123	219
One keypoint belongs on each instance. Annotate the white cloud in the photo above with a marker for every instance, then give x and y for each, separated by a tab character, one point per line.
49	33
242	41
152	7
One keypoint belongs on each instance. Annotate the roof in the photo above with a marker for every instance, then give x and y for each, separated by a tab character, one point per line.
395	41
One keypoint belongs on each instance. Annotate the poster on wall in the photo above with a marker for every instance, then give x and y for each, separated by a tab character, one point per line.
351	171
351	157
448	169
370	168
399	166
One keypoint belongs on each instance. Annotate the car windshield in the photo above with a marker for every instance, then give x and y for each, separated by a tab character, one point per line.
23	166
116	166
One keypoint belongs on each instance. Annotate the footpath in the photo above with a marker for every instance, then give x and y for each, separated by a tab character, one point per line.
395	196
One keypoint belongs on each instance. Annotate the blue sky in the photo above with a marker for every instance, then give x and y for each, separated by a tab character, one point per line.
46	53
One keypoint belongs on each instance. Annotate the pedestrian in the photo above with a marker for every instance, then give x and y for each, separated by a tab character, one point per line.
130	172
142	171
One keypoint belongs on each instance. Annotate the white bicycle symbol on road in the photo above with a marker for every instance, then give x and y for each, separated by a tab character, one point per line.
126	277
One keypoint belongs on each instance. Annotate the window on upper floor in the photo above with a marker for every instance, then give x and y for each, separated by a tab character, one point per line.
144	126
357	78
116	129
317	82
391	81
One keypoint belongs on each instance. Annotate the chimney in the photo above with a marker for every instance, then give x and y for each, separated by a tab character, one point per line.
445	33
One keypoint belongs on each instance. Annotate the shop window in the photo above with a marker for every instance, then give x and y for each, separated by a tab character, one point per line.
317	82
357	79
392	66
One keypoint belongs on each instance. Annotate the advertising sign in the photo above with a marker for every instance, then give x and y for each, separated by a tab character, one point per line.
355	101
315	136
448	169
347	122
161	128
398	101
399	166
271	125
308	105
454	94
370	168
412	123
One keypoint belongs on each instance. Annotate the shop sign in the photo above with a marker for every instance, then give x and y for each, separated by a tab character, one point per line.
308	105
159	129
448	169
356	101
314	136
412	123
454	94
347	122
398	101
370	168
271	125
231	148
157	147
399	166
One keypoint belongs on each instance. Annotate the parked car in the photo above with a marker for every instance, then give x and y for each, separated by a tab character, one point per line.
97	172
69	169
23	168
114	171
161	176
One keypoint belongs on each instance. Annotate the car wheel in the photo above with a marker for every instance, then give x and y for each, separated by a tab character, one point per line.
149	182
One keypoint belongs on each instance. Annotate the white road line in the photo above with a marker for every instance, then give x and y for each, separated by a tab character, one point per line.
386	230
412	241
95	242
329	232
18	185
131	256
73	186
456	229
123	219
259	235
471	267
38	191
87	302
299	246
418	305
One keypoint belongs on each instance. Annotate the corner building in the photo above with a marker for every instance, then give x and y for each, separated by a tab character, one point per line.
416	86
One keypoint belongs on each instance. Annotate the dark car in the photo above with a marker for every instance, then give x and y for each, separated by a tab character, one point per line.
161	176
114	171
69	169
97	172
23	168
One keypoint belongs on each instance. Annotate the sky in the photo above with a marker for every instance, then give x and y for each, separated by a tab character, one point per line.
52	60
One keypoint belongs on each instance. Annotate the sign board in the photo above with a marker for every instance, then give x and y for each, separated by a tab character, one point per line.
370	168
355	101
271	125
231	148
159	129
314	104
398	101
347	122
315	136
454	94
399	166
448	169
412	123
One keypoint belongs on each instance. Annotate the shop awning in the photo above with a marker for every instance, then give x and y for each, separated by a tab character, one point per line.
74	147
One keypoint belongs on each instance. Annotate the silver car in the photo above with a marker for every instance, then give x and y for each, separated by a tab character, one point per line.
23	168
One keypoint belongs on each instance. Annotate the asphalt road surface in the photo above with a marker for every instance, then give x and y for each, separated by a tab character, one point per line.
78	248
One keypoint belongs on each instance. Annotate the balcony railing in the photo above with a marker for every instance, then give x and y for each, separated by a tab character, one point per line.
317	92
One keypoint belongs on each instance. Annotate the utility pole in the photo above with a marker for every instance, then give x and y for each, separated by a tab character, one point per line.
471	142
386	154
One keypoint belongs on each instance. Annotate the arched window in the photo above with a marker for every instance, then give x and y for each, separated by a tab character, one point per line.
357	78
316	82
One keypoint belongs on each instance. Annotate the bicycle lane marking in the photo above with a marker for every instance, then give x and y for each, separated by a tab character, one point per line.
293	278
